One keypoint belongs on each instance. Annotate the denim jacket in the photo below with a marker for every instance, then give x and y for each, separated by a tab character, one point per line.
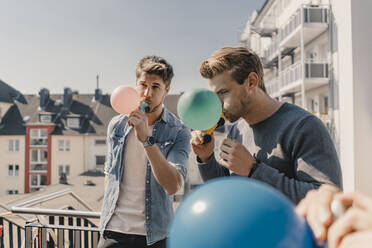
173	140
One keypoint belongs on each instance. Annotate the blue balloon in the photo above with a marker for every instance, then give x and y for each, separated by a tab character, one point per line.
238	212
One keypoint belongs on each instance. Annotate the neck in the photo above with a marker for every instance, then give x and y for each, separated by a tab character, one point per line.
152	117
261	108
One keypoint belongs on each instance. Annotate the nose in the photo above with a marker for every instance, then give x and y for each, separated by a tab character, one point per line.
147	92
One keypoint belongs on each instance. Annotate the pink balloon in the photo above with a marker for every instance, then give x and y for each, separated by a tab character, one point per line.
124	99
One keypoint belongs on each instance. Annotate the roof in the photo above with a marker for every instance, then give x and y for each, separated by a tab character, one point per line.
94	115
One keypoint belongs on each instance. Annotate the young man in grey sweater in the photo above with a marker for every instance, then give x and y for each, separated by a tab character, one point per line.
274	142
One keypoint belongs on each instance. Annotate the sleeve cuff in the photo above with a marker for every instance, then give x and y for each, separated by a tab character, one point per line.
201	162
254	168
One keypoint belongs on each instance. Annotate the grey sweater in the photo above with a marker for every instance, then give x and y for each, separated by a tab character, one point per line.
293	149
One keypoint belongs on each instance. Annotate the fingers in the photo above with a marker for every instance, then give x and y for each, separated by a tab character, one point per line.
225	163
196	137
316	209
356	199
355	219
358	239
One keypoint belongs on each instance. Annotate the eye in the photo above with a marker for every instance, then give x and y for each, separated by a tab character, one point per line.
223	92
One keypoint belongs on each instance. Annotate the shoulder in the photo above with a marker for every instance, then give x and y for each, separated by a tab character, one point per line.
117	121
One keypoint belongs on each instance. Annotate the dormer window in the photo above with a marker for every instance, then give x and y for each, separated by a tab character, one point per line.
73	122
45	118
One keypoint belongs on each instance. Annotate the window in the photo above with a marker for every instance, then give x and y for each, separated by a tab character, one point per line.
14	145
45	118
100	162
325	111
73	122
13	170
64	145
12	192
38	156
38	180
101	142
64	169
39	137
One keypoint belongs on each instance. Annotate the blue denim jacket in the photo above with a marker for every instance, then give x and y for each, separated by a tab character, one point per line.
173	140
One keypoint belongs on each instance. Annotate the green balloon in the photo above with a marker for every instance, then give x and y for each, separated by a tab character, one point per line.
199	109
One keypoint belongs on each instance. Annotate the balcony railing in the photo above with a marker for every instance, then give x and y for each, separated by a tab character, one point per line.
272	87
313	70
310	15
290	74
62	228
271	51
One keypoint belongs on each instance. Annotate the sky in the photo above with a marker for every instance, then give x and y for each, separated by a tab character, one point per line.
55	44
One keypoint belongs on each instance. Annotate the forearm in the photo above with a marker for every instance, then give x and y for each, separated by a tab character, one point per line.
167	175
294	188
212	169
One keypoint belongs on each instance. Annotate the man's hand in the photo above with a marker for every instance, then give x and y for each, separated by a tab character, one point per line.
354	228
203	151
140	122
316	208
236	157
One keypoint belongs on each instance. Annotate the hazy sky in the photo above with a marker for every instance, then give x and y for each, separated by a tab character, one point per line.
66	43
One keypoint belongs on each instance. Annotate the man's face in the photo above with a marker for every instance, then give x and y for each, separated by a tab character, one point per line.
152	89
233	96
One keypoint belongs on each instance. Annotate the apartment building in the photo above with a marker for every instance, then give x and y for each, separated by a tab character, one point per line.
315	54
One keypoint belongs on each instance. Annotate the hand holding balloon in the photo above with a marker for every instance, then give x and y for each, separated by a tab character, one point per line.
125	100
201	109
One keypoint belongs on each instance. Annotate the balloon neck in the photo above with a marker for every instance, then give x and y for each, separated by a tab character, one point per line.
145	108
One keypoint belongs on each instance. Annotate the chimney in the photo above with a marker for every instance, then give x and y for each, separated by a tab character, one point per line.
67	98
44	98
98	91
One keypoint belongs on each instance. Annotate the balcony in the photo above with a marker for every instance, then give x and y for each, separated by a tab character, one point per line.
62	228
271	53
315	20
272	87
316	75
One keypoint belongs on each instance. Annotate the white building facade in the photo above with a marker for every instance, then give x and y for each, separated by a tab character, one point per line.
315	54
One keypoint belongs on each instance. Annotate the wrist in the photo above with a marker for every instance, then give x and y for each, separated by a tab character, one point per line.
204	159
253	168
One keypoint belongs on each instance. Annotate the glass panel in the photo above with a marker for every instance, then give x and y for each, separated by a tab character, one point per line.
10	145
33	180
60	145
44	155
43	180
60	170
16	172
67	170
34	156
10	170
43	132
38	167
39	142
34	133
67	145
17	145
100	160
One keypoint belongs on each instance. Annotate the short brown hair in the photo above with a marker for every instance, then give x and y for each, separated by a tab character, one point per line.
155	65
238	61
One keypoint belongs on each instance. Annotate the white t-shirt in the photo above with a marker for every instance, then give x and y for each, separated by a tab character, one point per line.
129	215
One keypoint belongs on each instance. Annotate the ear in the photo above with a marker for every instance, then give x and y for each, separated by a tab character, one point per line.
251	81
167	90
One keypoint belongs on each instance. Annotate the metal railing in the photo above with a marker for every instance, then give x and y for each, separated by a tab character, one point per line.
290	74
310	15
313	69
272	86
10	233
271	50
62	228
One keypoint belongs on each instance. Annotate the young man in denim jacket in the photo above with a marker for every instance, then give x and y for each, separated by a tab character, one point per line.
146	164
